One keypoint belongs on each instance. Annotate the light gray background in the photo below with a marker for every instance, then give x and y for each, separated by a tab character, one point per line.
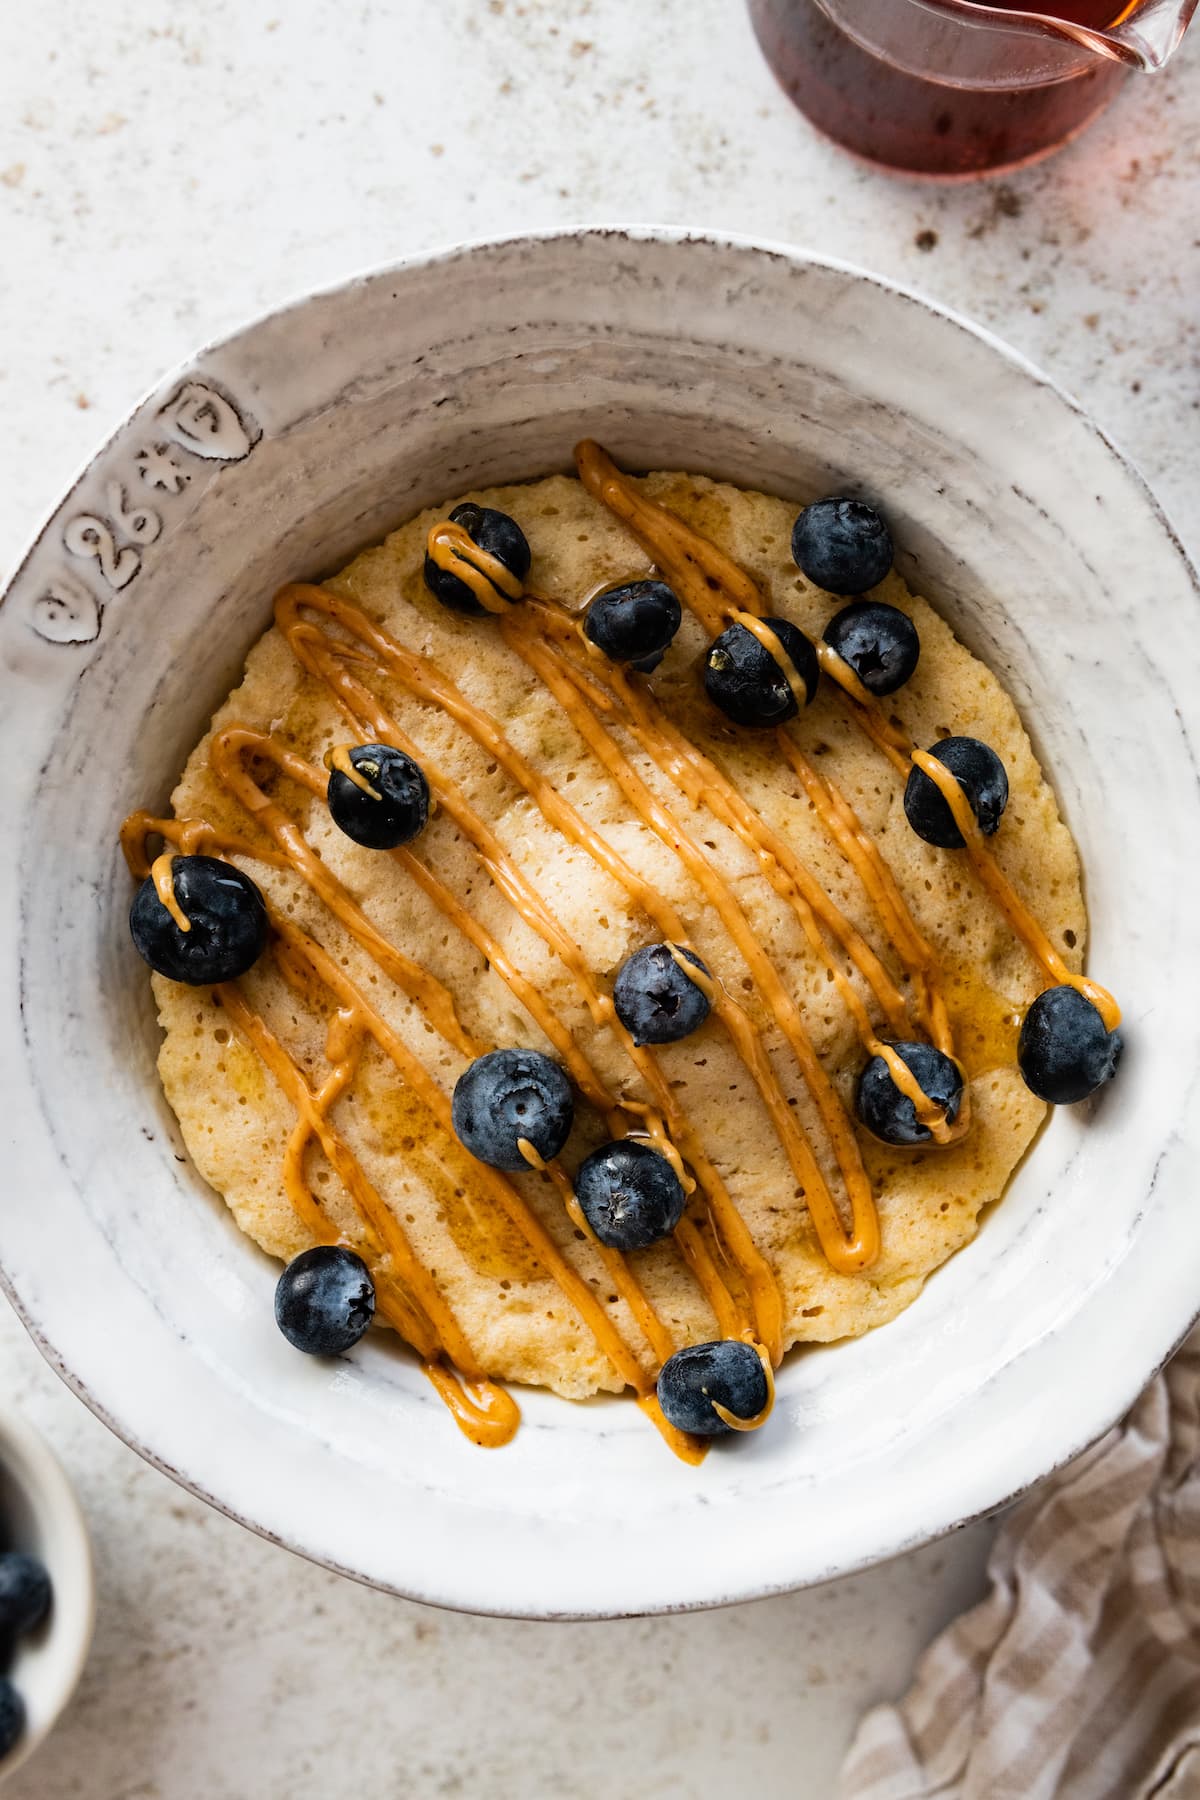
168	170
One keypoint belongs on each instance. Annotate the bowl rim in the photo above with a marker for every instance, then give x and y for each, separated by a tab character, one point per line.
645	232
33	1467
793	255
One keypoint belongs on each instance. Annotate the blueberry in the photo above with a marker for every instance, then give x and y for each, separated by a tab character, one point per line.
634	623
655	1000
980	774
12	1715
879	642
727	1371
494	532
890	1115
743	678
228	917
509	1095
24	1593
630	1194
397	807
1065	1050
324	1300
842	545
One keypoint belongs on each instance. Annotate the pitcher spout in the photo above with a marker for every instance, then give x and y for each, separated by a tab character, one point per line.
1144	36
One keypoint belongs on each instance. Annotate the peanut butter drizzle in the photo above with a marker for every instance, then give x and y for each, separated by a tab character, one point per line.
617	1110
228	749
492	1181
190	837
532	1156
714	587
864	856
703	783
874	874
321	655
406	1295
339	758
772	643
687	1448
846	1252
482	1410
343	1051
718	592
486	1413
162	874
435	1000
696	974
619	1270
700	571
838	669
1001	889
760	1418
711	583
903	755
493	584
499	1189
691	1244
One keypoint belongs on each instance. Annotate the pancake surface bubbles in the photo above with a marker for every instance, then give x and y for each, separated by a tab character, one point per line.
236	1121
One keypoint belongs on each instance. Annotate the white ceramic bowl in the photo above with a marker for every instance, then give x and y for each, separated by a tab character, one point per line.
39	1513
277	453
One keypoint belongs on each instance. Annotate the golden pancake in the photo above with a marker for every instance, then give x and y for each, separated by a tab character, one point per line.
519	1322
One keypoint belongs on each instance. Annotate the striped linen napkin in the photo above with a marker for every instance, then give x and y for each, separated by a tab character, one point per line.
1078	1677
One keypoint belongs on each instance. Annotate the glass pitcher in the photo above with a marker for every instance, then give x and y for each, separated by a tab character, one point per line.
954	87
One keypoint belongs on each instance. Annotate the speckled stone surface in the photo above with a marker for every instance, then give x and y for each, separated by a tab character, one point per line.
163	173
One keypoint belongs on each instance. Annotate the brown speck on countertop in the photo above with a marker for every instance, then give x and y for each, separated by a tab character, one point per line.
926	240
14	175
82	402
1007	203
437	149
581	46
1091	320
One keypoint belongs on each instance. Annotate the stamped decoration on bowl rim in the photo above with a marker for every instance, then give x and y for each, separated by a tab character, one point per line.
201	421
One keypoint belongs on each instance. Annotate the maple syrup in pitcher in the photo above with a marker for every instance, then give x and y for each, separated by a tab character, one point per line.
943	87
